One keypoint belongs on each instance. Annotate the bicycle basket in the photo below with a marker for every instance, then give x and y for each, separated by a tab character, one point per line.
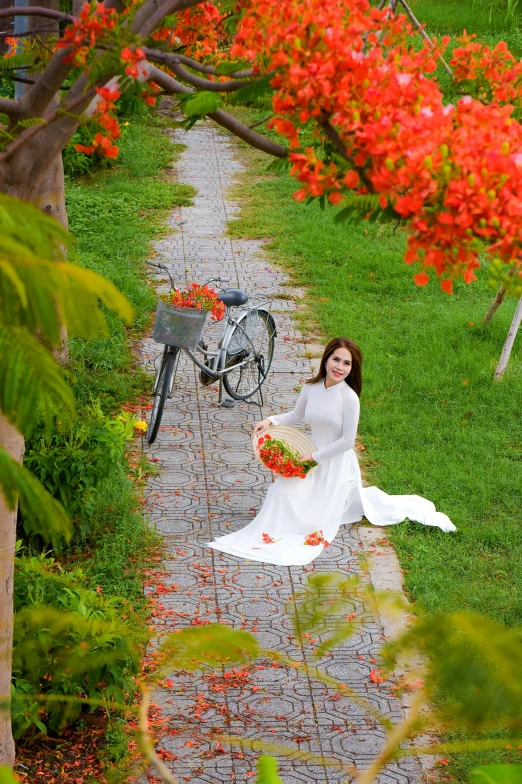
181	327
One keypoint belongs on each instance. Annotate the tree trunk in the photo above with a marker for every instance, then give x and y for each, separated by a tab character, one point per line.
499	296
13	442
508	345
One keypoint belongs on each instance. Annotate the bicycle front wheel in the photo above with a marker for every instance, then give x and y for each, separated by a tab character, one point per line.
249	354
163	389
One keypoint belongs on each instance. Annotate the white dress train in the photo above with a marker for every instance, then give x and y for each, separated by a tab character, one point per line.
300	517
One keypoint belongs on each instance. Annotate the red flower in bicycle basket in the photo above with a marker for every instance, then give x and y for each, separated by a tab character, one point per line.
200	297
316	538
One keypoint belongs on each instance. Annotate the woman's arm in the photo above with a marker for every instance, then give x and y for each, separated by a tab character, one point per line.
295	416
351	408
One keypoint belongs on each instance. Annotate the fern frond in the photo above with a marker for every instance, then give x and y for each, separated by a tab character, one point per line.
40	295
30	382
13	62
45	514
34	231
30	122
358	207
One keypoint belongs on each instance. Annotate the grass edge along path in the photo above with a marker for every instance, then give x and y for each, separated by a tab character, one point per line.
433	422
114	214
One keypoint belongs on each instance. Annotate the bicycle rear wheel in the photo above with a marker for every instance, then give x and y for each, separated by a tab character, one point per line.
249	354
163	390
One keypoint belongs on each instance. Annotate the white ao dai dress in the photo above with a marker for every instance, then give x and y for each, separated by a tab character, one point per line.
300	517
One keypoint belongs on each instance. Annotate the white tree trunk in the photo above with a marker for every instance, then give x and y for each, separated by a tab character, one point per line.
508	345
13	442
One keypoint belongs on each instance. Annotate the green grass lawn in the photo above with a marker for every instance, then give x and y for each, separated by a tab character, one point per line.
484	17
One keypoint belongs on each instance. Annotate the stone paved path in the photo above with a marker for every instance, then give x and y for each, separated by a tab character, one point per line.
210	484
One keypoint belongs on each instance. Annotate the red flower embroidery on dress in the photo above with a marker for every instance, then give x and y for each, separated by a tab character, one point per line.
267	539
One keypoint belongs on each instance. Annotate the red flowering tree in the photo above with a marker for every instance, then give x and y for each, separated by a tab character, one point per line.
353	81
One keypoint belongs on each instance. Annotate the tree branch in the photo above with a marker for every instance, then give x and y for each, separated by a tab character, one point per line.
222	118
157	56
32	10
196	81
339	145
11	108
152	13
145	742
37	98
417	24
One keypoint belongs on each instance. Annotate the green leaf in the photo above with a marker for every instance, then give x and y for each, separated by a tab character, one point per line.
30	122
31	382
228	67
208	646
358	208
40	295
267	771
36	233
7	776
325	596
13	62
42	511
201	103
253	92
496	774
474	662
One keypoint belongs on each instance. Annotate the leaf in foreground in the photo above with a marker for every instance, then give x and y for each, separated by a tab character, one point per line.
207	646
496	774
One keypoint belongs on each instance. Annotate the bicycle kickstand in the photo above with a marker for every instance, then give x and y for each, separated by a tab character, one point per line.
227	402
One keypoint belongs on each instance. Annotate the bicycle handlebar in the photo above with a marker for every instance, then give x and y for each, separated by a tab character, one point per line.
163	267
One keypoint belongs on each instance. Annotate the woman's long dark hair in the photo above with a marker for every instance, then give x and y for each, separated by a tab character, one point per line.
354	379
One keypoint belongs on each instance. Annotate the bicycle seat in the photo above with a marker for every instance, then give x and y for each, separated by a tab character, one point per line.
233	297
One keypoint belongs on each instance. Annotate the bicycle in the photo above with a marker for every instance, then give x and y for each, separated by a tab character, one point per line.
240	362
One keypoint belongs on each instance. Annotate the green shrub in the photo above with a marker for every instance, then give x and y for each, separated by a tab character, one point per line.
69	641
73	466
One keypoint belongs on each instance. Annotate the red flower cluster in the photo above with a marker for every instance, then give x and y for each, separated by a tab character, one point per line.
279	458
196	28
267	539
200	297
150	93
453	171
102	142
316	538
95	20
133	58
488	74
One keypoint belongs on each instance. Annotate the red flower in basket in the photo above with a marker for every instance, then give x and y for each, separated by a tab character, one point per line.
281	459
199	297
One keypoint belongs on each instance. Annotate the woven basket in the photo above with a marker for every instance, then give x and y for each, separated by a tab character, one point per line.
295	439
181	327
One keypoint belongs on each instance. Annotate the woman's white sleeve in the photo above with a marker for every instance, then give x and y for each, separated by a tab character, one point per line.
351	409
295	416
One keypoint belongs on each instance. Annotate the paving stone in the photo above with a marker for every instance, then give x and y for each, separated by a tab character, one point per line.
210	484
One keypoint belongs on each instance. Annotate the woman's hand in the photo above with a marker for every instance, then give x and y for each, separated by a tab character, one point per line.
261	427
306	459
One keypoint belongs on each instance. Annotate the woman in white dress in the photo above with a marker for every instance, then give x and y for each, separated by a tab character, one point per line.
300	517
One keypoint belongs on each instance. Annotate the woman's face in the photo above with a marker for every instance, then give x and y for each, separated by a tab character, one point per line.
338	366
